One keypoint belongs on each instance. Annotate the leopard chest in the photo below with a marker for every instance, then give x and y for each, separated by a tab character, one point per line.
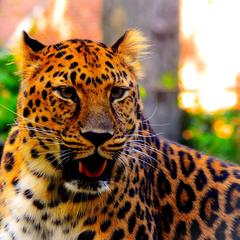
31	216
27	222
30	219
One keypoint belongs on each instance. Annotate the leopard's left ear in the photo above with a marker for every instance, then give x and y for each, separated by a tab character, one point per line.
131	47
27	52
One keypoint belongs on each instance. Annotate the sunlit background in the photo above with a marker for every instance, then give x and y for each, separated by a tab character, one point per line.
191	88
210	50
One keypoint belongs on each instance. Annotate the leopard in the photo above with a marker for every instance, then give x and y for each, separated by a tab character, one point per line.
83	163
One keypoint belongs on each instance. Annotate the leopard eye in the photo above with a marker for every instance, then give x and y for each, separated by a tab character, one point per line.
66	92
117	93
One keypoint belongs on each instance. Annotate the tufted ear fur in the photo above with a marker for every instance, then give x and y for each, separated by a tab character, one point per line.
27	53
130	47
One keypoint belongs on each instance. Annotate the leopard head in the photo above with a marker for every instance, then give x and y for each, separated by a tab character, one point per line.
78	107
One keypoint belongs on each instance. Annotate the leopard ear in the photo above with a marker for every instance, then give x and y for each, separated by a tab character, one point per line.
27	53
131	47
33	44
30	48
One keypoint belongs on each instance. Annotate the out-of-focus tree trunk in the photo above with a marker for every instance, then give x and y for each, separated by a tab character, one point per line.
158	19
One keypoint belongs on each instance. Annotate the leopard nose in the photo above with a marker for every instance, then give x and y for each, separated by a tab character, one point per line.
97	138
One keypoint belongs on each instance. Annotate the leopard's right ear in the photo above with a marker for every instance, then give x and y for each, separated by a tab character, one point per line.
30	48
33	44
27	52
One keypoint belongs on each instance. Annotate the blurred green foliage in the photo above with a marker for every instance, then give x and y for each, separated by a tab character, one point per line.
9	84
168	80
143	91
215	134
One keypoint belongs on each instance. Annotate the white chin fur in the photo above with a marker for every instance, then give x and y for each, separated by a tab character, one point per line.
73	187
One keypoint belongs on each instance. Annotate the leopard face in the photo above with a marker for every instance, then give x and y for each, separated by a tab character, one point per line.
79	99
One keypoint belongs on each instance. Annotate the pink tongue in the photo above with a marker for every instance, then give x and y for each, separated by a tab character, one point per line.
84	170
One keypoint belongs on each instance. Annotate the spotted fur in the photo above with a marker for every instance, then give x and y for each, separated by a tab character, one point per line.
79	104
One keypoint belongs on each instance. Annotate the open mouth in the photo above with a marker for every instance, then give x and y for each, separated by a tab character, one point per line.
93	166
87	174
